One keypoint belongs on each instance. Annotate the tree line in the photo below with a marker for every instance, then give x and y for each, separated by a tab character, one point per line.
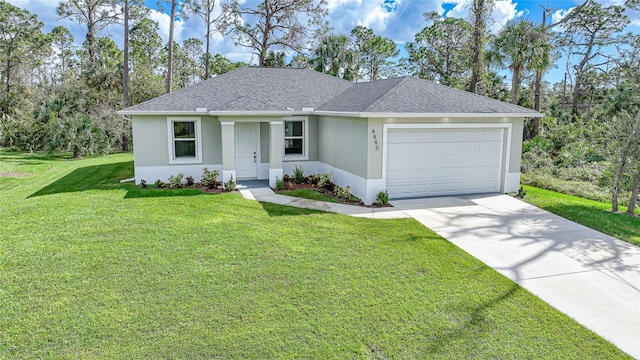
61	97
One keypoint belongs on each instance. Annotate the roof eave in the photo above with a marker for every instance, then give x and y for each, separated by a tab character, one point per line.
429	115
217	113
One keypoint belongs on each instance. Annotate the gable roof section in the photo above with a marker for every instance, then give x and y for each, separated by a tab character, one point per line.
268	90
250	89
412	95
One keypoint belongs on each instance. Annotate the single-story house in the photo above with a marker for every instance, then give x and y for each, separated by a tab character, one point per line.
409	136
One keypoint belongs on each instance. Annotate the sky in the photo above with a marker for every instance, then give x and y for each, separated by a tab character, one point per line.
399	20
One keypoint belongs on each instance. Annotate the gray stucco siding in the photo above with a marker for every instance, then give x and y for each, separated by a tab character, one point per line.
150	140
211	141
342	143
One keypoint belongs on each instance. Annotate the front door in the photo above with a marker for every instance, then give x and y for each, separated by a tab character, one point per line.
246	150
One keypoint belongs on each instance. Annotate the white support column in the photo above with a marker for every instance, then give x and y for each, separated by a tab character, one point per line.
276	149
228	136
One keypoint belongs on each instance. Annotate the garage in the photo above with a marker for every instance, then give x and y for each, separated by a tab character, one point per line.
423	161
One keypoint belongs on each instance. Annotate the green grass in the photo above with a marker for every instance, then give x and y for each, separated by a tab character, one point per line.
312	194
90	268
594	214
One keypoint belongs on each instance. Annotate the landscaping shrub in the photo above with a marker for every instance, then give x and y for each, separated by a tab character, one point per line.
279	185
382	198
230	185
143	183
159	184
298	174
209	179
176	181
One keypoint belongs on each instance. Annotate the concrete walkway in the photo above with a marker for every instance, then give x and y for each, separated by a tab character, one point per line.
265	194
592	277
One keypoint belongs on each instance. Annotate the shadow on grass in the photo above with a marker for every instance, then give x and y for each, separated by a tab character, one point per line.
97	177
24	158
283	210
136	193
622	226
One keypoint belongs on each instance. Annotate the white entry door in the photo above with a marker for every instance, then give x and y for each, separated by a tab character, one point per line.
246	141
432	162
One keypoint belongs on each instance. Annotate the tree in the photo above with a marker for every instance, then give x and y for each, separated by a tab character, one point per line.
203	9
63	44
522	46
372	51
193	51
334	56
96	14
275	25
172	24
441	51
146	58
125	76
480	12
21	41
586	34
220	65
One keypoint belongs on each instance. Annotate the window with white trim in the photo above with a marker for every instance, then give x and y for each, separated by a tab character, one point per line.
295	138
184	140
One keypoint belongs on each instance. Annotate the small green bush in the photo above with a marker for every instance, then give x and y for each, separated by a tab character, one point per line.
382	198
159	184
230	185
279	185
521	192
176	181
143	183
343	193
324	181
298	174
209	179
189	180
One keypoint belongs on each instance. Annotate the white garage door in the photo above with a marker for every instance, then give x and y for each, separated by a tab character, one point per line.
431	162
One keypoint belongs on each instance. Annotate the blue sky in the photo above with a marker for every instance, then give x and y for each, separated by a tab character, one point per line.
399	20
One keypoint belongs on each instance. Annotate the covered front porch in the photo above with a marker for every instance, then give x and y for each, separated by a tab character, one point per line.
252	149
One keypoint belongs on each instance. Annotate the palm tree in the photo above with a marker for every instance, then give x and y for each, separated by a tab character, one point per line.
520	46
332	56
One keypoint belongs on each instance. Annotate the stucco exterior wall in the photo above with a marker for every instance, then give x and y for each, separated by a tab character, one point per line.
342	143
150	140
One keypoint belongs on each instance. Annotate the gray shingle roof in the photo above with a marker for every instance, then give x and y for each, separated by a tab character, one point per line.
412	95
251	89
276	89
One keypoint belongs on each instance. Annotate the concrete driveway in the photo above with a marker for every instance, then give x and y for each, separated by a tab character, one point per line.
592	277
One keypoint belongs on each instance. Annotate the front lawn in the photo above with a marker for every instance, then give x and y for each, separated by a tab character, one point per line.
90	268
594	214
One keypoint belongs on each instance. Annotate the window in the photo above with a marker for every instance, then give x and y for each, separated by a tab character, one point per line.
185	144
295	138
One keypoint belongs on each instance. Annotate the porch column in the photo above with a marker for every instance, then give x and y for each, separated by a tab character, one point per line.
276	148
228	136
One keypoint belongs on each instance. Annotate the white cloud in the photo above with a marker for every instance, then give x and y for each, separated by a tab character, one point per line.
163	21
503	12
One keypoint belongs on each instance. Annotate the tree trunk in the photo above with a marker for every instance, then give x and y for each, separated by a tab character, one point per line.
125	77
634	195
8	74
515	81
477	45
206	60
170	46
77	154
624	153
